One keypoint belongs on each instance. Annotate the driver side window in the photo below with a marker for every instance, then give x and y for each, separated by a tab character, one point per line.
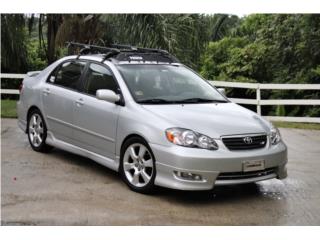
99	77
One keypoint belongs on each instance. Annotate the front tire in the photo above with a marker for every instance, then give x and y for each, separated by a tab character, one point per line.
37	132
137	165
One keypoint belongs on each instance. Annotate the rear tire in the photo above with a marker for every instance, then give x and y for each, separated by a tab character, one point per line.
37	132
137	165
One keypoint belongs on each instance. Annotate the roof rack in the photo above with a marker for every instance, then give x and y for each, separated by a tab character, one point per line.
123	46
90	49
123	52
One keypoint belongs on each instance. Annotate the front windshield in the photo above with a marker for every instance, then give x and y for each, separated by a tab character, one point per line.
167	84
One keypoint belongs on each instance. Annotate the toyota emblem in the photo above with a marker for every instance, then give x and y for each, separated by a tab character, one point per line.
247	140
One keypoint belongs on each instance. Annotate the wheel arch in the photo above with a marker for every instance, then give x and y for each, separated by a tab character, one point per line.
132	135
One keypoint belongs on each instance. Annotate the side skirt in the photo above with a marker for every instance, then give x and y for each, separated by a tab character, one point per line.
107	162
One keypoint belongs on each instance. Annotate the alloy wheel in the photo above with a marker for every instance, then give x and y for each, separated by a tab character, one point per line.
138	165
36	130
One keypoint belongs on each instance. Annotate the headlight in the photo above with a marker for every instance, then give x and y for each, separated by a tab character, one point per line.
275	135
188	138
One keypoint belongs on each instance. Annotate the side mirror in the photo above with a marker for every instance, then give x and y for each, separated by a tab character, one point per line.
107	95
222	91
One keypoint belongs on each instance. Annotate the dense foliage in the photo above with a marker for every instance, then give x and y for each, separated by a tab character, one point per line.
264	48
270	49
184	35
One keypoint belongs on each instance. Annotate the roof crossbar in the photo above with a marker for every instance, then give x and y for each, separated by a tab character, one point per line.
123	46
88	48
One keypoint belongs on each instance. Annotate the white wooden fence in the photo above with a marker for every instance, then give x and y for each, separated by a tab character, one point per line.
258	101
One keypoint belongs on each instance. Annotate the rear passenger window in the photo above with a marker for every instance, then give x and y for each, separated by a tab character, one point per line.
68	75
99	77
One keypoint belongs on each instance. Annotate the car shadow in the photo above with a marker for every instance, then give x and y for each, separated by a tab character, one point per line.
218	194
80	161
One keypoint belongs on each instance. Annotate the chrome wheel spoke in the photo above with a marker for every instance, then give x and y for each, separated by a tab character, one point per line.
34	140
128	166
133	154
145	176
38	121
34	120
135	178
142	151
39	139
148	163
40	130
31	129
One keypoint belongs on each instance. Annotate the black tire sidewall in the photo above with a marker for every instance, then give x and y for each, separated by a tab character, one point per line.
150	186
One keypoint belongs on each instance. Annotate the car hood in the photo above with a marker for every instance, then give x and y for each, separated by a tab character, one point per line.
214	120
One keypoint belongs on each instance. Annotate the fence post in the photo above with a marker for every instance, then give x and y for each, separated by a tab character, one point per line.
258	99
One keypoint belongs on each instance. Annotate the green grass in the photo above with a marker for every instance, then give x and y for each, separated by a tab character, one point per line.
8	109
314	126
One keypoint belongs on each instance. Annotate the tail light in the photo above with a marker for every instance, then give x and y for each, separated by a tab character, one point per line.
20	87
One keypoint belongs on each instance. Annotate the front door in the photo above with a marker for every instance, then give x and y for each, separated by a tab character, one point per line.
96	120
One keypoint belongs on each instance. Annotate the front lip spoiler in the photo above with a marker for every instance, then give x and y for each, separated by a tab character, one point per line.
245	180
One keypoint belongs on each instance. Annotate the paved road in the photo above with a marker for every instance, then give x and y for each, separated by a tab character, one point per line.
60	188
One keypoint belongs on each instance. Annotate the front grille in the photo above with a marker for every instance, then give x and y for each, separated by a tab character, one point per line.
245	142
245	175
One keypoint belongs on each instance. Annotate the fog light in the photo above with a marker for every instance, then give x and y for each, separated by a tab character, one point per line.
188	176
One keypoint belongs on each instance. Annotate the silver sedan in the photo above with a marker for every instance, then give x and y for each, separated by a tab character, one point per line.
156	122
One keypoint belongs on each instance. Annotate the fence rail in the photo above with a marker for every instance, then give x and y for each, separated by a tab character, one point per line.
262	102
258	101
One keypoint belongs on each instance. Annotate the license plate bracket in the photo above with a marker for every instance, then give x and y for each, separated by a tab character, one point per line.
253	165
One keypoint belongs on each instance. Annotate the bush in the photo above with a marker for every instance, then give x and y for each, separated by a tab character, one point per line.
36	56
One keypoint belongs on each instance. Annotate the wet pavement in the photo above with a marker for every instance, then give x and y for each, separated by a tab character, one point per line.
61	188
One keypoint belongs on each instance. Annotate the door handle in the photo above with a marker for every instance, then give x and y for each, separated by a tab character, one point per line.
46	91
79	102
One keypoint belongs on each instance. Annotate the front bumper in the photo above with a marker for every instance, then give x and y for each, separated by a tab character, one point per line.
210	165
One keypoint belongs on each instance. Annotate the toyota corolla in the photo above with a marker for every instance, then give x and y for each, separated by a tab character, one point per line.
143	113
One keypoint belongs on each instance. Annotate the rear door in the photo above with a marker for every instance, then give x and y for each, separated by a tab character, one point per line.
59	95
96	120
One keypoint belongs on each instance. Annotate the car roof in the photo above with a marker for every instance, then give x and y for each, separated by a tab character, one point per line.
94	57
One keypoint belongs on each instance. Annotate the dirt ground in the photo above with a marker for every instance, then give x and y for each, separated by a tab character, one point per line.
60	188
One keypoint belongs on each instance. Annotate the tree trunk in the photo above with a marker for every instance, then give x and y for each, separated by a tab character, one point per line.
54	22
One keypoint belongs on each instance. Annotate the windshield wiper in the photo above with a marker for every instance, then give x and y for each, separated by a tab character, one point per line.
188	100
200	100
154	101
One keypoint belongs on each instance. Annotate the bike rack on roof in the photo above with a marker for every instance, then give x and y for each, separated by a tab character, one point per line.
123	52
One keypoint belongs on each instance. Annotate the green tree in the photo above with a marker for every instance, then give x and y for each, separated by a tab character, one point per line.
13	43
61	28
184	35
222	25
